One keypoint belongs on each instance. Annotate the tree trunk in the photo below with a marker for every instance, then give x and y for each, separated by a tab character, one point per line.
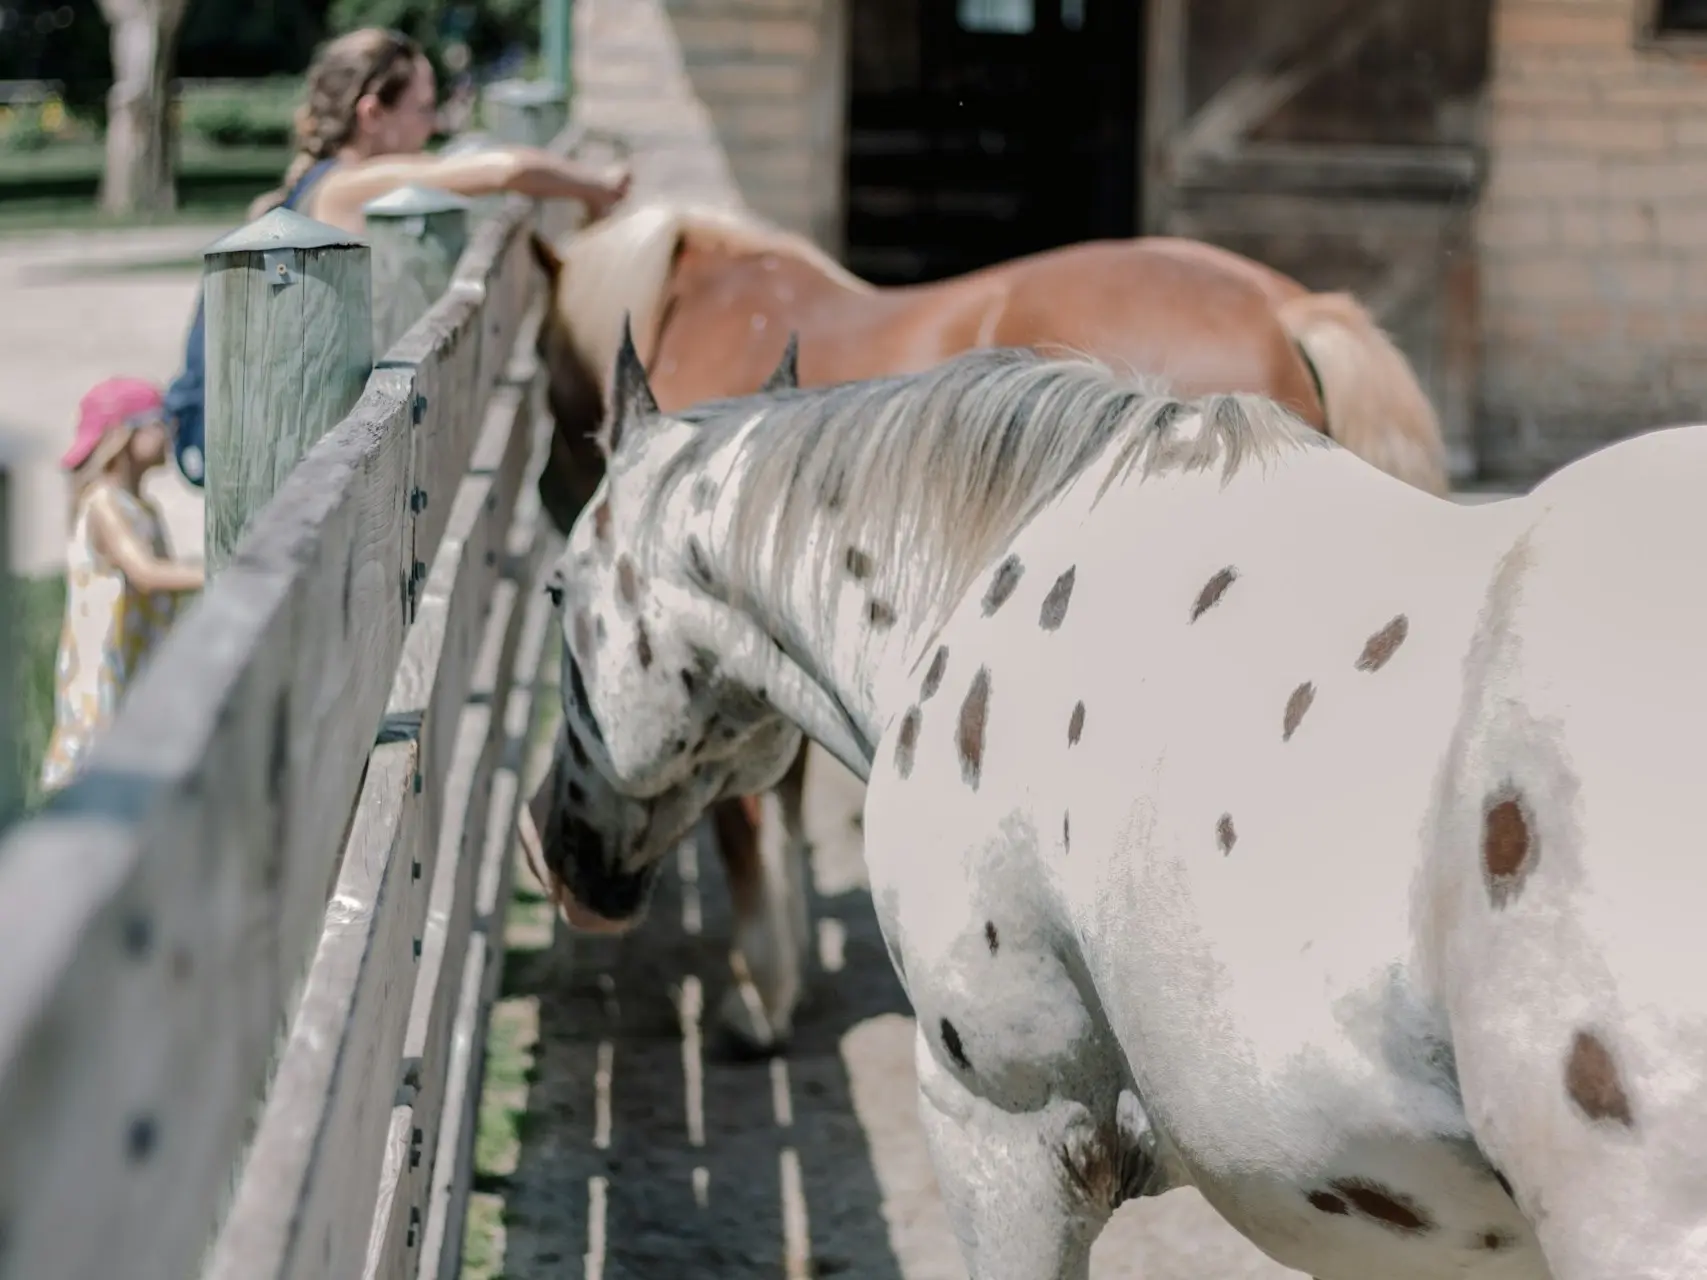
139	165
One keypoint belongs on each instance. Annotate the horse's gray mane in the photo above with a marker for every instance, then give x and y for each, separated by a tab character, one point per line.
927	476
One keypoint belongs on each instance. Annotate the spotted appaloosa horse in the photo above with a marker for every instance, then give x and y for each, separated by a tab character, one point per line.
1238	817
715	291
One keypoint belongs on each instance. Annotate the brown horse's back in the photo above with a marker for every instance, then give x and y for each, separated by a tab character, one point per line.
1200	318
1202	321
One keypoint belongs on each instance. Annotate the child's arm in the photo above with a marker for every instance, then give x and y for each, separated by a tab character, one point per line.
117	541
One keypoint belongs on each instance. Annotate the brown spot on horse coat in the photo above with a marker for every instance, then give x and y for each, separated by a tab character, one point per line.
906	739
1296	706
1593	1082
969	732
1508	852
1381	646
1212	592
601	521
1225	836
880	613
1067	832
1002	584
858	563
991	938
642	646
934	673
627	581
1384	1205
951	1042
1328	1203
1054	609
1076	724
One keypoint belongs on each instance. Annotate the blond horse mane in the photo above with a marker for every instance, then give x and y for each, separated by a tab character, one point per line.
623	264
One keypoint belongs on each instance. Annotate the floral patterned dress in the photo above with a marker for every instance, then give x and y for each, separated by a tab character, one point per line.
110	629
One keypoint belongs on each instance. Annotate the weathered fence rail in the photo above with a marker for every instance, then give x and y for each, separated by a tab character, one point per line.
260	935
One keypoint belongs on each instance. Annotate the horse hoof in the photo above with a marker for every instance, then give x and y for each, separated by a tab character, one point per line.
744	1031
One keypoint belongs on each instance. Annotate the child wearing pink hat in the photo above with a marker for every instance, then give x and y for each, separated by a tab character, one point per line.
122	585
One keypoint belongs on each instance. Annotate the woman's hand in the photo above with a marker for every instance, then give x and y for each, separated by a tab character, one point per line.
604	194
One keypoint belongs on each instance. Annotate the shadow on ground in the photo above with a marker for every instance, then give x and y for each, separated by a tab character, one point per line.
784	1158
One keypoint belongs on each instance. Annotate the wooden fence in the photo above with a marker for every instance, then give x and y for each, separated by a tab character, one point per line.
246	960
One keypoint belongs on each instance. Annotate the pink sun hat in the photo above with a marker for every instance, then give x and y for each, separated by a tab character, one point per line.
116	402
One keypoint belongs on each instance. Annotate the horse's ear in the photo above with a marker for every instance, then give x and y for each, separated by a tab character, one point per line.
786	375
545	254
631	393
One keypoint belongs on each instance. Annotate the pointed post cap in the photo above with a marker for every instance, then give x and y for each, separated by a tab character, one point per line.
283	228
413	201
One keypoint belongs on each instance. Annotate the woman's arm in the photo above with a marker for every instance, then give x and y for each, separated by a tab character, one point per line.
529	171
117	541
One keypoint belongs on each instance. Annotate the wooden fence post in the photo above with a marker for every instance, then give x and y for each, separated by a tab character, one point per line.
416	235
11	754
526	112
289	348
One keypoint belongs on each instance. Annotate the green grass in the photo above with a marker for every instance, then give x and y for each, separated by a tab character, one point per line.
40	606
233	144
58	187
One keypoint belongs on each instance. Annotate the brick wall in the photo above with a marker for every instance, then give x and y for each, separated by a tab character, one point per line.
771	74
1593	234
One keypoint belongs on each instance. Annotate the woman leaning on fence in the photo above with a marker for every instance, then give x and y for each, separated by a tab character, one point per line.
371	109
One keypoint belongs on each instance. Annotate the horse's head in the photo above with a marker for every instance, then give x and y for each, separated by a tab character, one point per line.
574	466
663	713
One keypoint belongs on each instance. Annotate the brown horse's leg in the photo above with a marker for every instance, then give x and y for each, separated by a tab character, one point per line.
762	843
737	825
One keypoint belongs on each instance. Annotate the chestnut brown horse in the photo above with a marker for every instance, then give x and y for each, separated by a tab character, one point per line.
714	294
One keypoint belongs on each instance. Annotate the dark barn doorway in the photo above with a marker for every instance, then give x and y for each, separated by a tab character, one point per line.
980	130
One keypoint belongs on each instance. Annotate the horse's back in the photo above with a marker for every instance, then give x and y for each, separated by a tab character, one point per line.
1205	321
1217	754
1560	917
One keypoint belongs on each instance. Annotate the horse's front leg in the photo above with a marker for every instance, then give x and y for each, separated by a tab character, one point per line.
762	842
1028	1192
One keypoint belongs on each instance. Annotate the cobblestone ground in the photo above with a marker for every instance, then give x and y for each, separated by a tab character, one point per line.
78	309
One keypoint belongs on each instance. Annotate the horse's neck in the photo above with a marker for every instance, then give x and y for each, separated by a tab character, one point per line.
842	619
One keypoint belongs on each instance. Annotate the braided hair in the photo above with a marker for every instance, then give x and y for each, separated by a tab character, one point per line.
371	60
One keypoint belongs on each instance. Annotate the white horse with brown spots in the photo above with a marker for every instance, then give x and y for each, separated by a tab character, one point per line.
1238	816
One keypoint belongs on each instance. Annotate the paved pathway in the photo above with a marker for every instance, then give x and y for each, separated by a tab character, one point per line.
78	309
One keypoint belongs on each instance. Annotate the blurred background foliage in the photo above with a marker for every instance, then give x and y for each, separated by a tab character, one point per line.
65	44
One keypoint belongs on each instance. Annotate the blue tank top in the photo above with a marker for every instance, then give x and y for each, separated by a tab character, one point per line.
184	396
